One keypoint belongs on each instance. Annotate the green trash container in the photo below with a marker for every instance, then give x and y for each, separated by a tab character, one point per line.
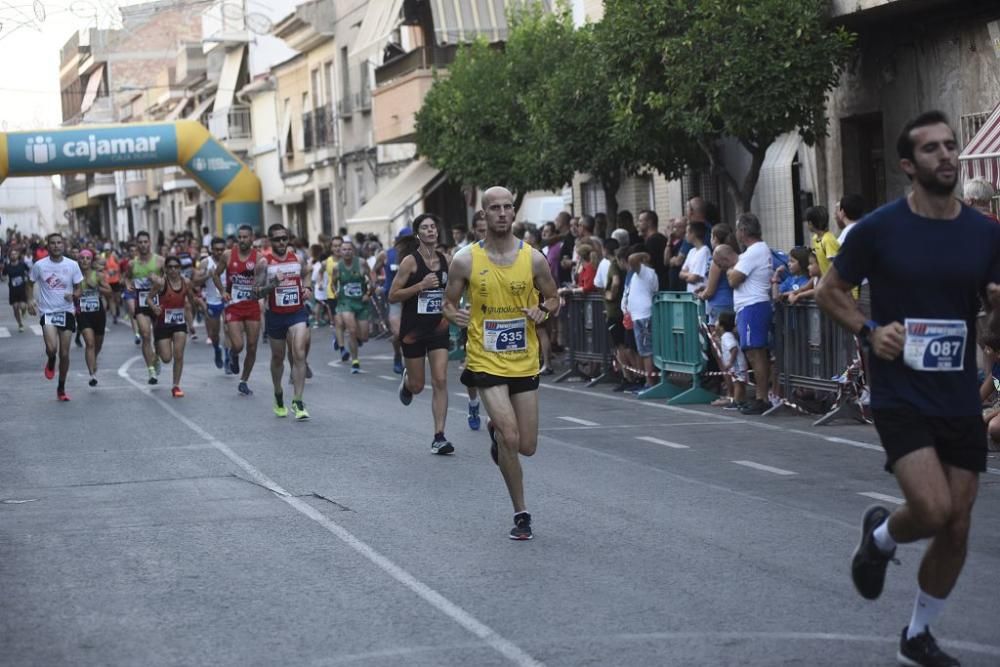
678	347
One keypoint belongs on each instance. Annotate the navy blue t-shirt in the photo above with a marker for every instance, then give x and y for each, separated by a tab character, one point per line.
932	270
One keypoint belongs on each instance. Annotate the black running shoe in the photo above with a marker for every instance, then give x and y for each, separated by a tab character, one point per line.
757	407
442	447
922	651
494	453
522	527
405	395
93	382
234	363
869	563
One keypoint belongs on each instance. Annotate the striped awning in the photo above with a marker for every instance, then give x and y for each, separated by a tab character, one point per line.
458	21
981	157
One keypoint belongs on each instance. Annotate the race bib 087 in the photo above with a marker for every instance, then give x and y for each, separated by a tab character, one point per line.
935	345
505	335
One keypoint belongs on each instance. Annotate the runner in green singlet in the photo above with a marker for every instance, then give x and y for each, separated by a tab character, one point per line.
354	292
140	271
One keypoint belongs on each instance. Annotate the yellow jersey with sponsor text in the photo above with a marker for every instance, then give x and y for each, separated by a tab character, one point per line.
502	339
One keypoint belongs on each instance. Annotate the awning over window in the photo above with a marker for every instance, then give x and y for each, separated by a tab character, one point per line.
226	91
774	198
400	194
458	21
381	18
981	158
175	113
93	87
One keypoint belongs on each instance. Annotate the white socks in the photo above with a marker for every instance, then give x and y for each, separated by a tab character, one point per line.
473	403
883	540
925	611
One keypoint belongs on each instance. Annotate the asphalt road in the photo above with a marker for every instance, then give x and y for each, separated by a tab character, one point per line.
137	529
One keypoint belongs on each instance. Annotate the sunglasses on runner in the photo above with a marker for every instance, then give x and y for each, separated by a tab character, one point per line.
279	239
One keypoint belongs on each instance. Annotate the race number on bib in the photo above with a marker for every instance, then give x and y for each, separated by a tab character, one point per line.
173	316
429	302
353	290
287	296
17	281
55	319
505	335
145	301
242	293
935	345
90	303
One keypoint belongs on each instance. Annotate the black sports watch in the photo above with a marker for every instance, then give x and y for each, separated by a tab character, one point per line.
541	307
865	332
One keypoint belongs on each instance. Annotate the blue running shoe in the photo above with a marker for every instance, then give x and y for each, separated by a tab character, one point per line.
244	389
345	355
218	357
397	365
474	417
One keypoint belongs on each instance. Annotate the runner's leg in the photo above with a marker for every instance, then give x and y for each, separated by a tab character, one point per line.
438	361
90	351
50	336
65	339
253	336
146	332
277	364
298	341
501	411
350	327
178	341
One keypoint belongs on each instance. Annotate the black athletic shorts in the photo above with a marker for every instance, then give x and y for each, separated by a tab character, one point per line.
148	312
70	322
163	333
958	441
419	349
18	294
97	321
483	380
616	331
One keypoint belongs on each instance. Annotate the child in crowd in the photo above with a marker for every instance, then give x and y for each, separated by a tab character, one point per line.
824	243
641	285
784	284
808	291
989	341
587	271
732	362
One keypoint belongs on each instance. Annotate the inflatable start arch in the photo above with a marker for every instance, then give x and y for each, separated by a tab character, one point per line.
186	144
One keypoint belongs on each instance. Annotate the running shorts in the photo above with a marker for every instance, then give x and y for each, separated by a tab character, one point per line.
163	333
958	441
18	294
419	348
514	385
356	306
97	321
69	326
276	325
148	312
215	310
753	324
246	311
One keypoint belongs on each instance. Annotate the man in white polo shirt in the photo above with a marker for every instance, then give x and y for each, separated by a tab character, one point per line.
58	279
750	280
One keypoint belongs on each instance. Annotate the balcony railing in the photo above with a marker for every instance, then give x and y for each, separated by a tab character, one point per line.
363	100
421	58
971	124
233	123
318	128
345	106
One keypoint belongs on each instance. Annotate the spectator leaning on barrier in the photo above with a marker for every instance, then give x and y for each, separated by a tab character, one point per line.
808	291
979	194
824	243
850	209
601	277
641	285
751	282
784	283
717	293
695	267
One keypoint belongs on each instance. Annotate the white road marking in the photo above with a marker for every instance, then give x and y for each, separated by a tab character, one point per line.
4	332
504	646
883	497
577	420
665	443
761	466
36	329
388	377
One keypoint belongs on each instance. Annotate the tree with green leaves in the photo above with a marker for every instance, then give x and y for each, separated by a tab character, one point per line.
751	70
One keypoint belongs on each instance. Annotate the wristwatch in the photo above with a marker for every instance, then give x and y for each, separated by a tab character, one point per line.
865	332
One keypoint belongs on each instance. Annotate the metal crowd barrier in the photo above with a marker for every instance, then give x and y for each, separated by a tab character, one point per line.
587	338
812	352
678	347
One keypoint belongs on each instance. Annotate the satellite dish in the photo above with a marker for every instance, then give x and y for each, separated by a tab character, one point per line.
258	23
39	10
232	11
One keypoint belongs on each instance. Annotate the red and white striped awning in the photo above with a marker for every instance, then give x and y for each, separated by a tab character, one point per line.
981	157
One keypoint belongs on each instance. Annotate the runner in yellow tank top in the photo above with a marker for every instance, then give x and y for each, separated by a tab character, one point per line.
502	275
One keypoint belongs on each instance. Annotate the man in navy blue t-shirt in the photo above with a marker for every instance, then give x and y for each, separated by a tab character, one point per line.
929	260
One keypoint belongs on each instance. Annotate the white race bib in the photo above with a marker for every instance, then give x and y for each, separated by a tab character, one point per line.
287	296
429	302
17	281
90	302
242	292
174	316
935	345
353	290
505	335
145	301
55	319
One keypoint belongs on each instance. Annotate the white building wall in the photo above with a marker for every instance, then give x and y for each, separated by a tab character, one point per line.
32	205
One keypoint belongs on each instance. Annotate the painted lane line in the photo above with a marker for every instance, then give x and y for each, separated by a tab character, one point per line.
504	646
883	497
761	466
36	329
388	377
577	420
4	332
665	443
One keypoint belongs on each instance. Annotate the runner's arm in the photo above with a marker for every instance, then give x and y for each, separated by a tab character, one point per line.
264	285
103	286
398	293
835	299
217	275
458	279
546	286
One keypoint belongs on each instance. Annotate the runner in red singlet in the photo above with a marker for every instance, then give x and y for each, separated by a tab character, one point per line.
170	308
244	267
